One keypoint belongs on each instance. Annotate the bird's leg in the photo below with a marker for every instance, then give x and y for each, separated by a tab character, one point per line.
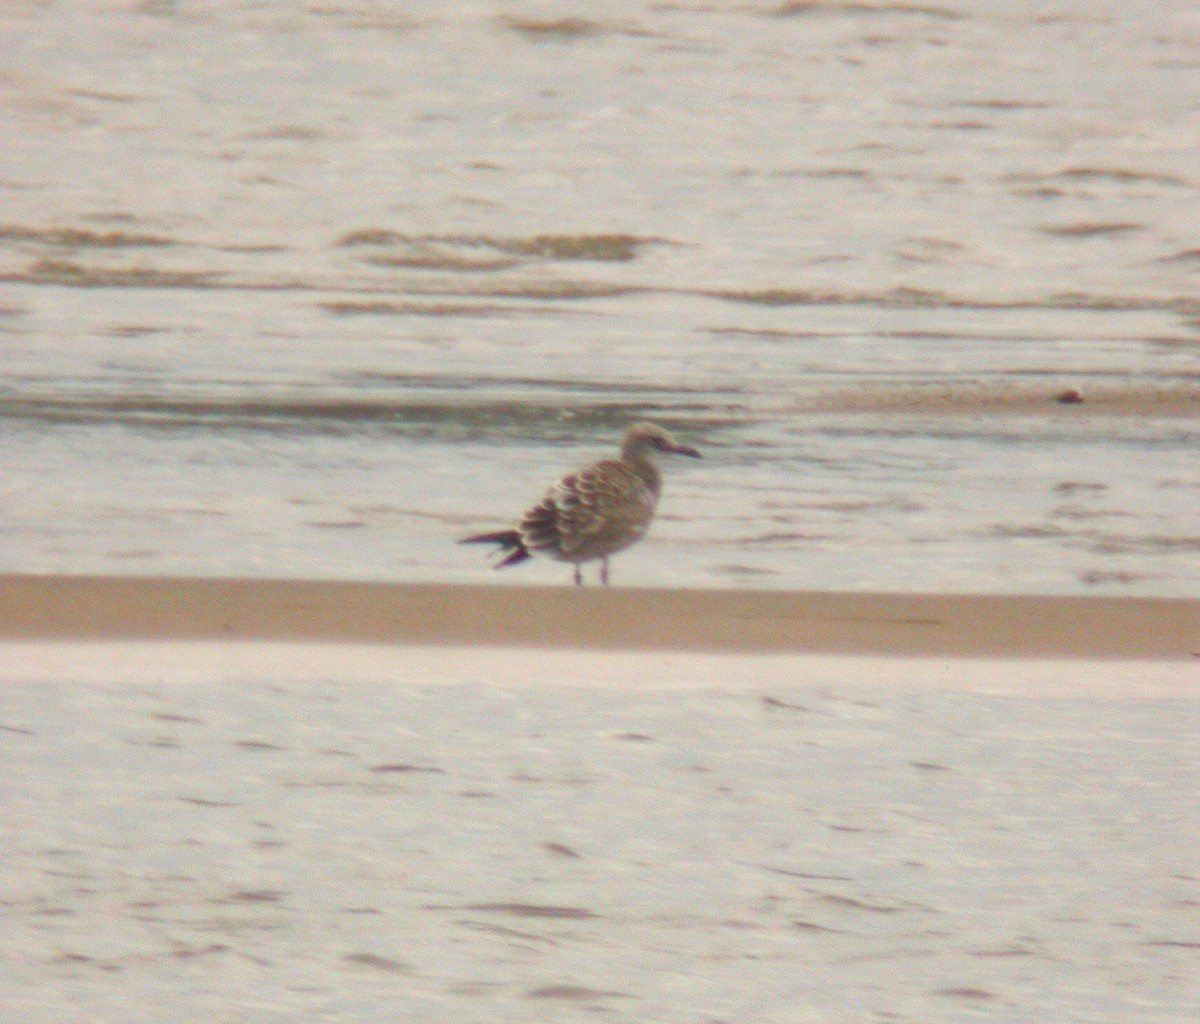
578	576
604	571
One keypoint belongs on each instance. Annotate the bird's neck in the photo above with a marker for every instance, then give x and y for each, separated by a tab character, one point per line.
639	460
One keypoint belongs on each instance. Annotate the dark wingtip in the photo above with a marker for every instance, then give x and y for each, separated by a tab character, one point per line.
511	545
513	558
505	538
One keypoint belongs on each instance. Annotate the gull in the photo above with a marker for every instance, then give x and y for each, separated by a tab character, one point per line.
595	512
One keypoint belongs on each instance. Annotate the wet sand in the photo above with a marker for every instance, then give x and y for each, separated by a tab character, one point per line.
735	621
280	800
1132	398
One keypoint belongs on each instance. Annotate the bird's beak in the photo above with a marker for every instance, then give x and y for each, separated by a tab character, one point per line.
683	449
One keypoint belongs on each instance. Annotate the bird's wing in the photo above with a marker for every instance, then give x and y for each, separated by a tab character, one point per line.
606	504
607	499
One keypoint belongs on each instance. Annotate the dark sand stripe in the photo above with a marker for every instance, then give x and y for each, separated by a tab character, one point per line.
152	608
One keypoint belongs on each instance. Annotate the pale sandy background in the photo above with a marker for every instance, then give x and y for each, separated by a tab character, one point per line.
309	291
250	832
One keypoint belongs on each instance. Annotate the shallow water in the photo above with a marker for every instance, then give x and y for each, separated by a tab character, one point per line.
314	292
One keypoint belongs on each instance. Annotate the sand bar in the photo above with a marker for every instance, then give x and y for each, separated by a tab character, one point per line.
731	621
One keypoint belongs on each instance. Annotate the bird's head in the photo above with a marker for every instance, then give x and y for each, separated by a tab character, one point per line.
643	438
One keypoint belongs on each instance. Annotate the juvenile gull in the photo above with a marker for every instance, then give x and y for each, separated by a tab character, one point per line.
595	512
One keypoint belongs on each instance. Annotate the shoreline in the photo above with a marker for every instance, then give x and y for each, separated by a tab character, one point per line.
110	608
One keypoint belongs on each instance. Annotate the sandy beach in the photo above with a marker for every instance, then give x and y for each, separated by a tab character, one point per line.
892	719
269	801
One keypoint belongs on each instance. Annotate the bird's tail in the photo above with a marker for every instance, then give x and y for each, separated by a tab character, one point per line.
511	545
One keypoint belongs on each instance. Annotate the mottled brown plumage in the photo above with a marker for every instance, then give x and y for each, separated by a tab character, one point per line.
595	512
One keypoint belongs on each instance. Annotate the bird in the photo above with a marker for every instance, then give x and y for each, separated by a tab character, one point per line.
594	512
